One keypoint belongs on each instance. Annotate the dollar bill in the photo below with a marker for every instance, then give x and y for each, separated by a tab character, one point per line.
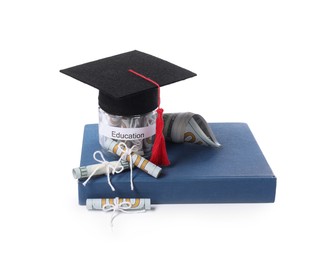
188	127
135	204
86	171
137	160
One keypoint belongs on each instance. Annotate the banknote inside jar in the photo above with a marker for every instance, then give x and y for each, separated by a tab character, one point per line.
136	130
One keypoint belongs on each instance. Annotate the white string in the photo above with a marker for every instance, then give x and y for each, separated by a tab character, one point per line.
127	152
105	165
110	168
119	207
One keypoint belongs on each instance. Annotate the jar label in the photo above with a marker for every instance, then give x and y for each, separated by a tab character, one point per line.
120	133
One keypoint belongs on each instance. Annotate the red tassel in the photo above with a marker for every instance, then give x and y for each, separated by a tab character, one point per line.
159	152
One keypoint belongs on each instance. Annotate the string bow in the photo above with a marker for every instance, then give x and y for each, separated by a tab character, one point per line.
119	207
107	166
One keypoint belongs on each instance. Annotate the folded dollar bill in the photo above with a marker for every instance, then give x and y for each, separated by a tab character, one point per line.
95	169
134	204
137	160
119	205
188	127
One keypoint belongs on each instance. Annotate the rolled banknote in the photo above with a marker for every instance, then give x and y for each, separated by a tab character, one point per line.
137	160
135	204
188	127
86	171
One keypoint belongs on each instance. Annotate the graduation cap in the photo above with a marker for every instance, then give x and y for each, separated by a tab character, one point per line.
129	84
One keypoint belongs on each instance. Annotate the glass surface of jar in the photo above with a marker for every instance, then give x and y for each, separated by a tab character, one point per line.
137	130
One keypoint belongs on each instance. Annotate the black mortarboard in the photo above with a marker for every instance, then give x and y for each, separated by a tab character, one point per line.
122	92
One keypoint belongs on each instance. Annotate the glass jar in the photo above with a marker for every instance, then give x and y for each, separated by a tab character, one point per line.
136	130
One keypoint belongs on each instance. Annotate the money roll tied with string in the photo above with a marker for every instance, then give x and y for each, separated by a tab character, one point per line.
129	99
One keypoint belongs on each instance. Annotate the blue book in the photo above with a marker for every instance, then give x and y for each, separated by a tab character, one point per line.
235	173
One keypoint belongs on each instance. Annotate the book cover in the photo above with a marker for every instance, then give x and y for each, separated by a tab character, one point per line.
237	172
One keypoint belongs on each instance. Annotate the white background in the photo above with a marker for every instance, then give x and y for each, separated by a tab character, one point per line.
252	59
